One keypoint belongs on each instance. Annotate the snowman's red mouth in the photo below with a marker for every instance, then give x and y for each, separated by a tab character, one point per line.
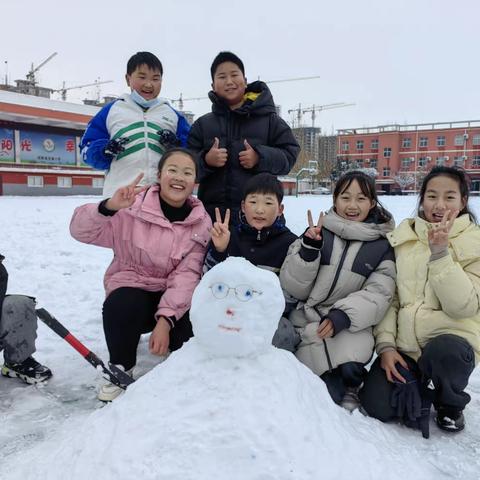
229	329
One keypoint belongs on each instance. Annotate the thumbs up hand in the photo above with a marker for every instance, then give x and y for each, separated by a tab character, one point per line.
248	158
216	156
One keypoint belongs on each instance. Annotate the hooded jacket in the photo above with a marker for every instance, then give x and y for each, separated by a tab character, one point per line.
150	252
350	280
433	297
255	121
125	118
266	248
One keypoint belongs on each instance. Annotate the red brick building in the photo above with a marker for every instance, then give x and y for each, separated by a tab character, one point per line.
402	154
39	152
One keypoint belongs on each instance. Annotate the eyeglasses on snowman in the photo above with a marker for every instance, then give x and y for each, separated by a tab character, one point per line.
244	293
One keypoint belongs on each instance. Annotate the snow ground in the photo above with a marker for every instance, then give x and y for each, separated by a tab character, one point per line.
66	277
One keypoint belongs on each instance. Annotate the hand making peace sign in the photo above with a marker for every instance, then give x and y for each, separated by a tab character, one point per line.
125	196
438	233
314	231
220	232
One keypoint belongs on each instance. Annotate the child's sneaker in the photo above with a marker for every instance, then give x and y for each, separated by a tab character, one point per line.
351	401
30	371
109	391
450	419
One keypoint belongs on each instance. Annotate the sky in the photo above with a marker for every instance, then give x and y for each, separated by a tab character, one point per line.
408	61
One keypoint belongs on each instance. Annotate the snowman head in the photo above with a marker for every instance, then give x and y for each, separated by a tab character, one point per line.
236	308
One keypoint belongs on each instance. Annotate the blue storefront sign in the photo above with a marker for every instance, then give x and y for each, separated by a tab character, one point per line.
47	148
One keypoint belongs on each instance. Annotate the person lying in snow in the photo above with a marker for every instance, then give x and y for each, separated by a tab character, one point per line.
159	236
18	331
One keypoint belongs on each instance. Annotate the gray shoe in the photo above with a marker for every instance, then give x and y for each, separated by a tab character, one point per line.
351	401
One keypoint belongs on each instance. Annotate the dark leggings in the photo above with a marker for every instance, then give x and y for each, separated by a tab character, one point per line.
127	313
447	361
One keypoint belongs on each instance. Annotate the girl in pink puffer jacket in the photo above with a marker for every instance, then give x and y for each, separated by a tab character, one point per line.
159	235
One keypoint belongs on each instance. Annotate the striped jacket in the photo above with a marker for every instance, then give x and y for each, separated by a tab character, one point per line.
125	118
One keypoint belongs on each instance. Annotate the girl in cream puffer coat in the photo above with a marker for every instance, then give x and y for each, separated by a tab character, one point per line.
433	327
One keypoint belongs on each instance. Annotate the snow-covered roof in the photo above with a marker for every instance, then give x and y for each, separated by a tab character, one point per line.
46	103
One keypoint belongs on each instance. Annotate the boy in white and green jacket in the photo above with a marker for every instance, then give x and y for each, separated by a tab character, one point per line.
130	135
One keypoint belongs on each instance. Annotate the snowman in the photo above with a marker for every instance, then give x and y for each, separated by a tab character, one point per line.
236	308
227	405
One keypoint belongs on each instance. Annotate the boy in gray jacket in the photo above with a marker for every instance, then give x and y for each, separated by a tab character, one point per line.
18	327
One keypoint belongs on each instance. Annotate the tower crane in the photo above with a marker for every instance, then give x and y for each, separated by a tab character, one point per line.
180	99
31	73
63	90
318	108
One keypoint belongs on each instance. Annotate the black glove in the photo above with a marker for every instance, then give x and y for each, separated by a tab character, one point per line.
115	146
168	139
410	404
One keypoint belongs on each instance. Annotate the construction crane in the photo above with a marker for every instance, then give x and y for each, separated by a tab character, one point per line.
63	90
318	108
31	73
180	99
314	109
291	79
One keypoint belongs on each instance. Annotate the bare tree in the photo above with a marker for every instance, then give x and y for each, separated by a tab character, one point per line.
404	179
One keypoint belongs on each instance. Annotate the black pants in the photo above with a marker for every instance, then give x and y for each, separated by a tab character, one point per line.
127	313
350	374
447	361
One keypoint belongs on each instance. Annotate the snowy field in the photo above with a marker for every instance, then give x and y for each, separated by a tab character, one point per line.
66	278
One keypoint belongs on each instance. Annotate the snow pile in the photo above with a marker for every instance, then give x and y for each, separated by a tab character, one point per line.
261	417
255	413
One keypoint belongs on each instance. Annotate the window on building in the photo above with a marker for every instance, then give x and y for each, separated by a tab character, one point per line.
476	139
441	160
64	182
345	146
458	142
441	141
97	182
406	162
406	143
374	144
458	161
387	152
386	171
35	181
373	163
476	161
359	144
422	161
423	142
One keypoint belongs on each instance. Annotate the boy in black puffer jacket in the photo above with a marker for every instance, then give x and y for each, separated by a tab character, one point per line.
241	137
260	236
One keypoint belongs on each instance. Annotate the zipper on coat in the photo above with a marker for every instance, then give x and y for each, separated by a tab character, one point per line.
145	137
339	267
329	360
335	280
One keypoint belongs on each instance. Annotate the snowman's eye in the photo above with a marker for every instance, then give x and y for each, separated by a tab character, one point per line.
220	290
245	292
